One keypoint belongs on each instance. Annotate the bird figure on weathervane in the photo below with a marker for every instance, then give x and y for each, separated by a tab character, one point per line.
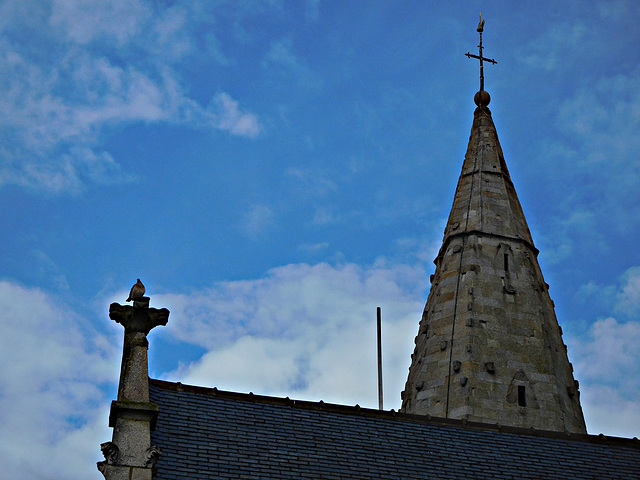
137	291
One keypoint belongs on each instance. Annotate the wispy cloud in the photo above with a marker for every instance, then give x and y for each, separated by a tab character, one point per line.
604	119
311	183
257	220
628	298
616	10
548	50
89	68
593	166
314	248
281	54
112	21
312	10
227	115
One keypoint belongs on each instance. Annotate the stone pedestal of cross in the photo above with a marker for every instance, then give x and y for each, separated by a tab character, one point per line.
130	455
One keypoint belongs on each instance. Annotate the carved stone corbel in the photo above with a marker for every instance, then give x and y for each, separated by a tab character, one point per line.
153	454
111	452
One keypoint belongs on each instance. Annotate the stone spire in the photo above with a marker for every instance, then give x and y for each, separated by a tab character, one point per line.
130	455
489	348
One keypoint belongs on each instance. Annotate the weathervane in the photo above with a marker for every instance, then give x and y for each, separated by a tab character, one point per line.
480	57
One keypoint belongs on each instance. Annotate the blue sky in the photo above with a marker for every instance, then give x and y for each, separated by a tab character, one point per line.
273	171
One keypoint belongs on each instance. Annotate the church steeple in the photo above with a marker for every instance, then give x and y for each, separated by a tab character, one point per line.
489	347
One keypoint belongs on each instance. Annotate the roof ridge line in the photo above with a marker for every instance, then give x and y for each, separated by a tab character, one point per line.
391	414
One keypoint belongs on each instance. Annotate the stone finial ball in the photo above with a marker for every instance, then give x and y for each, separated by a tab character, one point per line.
482	98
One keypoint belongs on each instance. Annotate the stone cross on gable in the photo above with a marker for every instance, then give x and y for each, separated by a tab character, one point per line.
479	56
130	454
138	320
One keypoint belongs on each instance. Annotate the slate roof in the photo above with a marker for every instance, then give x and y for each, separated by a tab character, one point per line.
206	434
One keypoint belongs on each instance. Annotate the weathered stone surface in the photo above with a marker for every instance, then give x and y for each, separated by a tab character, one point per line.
489	305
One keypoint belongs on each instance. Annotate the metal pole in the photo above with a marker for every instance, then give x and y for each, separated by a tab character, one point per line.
380	407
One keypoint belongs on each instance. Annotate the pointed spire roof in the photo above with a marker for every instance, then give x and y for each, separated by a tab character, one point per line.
485	201
489	348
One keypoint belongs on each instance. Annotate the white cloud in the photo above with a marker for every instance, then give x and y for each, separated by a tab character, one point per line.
606	358
51	403
611	352
267	364
606	411
303	331
606	361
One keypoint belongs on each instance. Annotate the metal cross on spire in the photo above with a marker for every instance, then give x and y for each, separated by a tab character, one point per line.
480	57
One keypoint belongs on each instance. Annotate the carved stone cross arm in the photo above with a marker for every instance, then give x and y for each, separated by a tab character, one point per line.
139	317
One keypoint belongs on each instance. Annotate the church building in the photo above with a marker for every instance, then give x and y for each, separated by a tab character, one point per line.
490	393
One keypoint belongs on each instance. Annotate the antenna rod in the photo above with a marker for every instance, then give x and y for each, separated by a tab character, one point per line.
379	359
